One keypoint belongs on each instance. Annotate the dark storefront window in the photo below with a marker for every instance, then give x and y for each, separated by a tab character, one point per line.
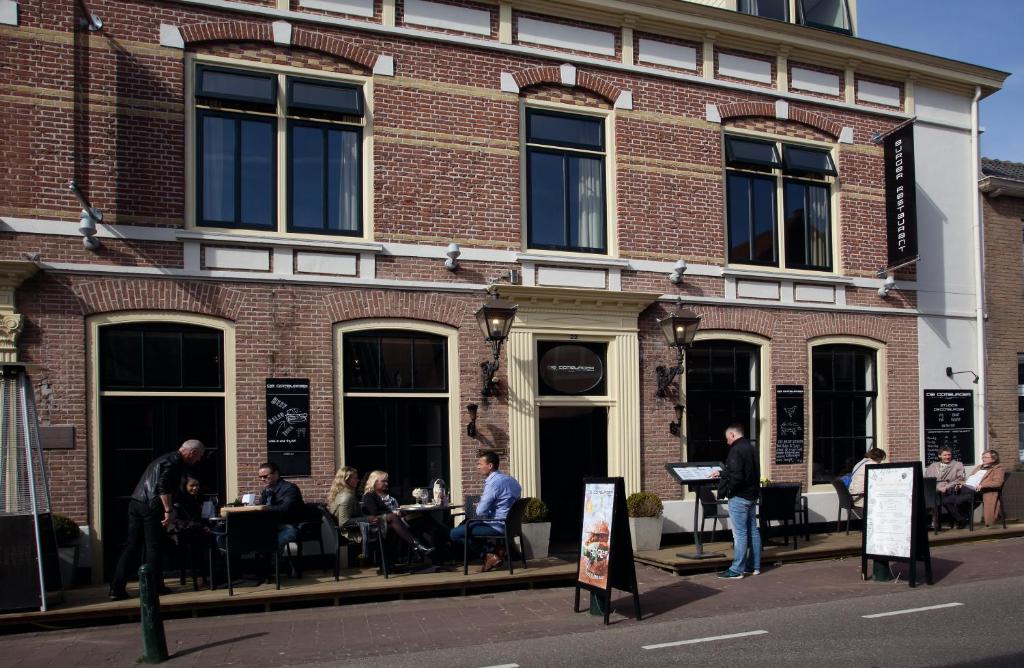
722	387
404	432
845	391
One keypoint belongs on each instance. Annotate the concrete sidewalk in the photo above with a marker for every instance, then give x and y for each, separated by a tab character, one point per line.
371	630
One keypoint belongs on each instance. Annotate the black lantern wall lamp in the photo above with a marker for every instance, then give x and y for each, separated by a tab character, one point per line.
673	427
471	427
495	318
679	330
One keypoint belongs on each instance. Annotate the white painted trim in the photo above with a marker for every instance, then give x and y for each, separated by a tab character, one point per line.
624	100
63	228
711	114
270	240
384	66
170	36
846	135
364	26
8	12
508	83
869	91
447	17
667	267
333	264
669	55
283	261
568	74
740	67
539	258
353	7
282	33
782	110
548	33
814	81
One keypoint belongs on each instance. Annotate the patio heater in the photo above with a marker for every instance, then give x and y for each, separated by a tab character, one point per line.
29	567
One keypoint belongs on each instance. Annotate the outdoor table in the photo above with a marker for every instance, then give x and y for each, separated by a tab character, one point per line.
441	520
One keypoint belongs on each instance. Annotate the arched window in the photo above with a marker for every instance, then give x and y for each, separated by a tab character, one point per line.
844	397
722	387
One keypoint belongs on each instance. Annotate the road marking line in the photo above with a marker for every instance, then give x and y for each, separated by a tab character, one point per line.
504	665
910	610
708	639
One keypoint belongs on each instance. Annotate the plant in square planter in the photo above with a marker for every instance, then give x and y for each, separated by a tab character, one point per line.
536	529
67	533
645	520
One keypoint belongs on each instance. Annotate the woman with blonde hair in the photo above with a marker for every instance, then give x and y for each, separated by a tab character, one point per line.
343	504
984	482
377	502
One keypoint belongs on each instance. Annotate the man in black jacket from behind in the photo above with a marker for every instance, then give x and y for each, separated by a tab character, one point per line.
741	482
150	510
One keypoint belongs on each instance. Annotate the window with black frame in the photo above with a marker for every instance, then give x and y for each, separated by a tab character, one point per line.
767	182
722	387
238	117
844	396
565	176
772	9
831	15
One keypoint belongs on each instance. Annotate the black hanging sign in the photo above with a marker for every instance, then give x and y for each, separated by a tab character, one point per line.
288	424
900	197
789	424
949	423
606	548
895	528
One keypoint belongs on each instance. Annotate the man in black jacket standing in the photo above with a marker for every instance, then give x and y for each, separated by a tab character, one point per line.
150	510
741	482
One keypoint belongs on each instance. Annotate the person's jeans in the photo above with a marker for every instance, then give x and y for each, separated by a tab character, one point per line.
743	517
458	534
286	533
144	529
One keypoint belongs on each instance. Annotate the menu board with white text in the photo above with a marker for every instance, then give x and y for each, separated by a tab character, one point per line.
889	508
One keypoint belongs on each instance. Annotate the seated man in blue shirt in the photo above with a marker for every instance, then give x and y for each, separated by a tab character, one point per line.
500	492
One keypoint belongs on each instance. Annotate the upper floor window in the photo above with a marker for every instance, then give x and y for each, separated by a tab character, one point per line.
565	176
767	182
772	9
241	117
828	14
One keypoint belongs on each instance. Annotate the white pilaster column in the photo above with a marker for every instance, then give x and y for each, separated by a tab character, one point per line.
624	417
523	448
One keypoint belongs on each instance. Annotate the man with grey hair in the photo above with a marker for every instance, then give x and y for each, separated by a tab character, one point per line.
150	509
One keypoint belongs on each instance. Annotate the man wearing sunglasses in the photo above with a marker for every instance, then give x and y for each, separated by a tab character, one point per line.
284	498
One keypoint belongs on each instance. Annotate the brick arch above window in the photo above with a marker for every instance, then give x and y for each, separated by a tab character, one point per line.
724	320
201	297
253	31
770	110
429	307
831	325
565	75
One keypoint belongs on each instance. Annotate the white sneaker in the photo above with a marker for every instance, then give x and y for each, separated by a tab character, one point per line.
753	572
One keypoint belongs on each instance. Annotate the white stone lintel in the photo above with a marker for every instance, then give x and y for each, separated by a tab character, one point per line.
282	33
782	110
568	73
170	36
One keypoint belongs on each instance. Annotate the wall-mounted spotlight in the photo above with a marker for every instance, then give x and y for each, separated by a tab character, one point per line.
887	286
90	21
677	272
950	373
673	427
88	220
471	427
679	330
495	319
453	252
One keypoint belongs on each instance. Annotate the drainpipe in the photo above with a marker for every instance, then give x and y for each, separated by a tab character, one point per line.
981	419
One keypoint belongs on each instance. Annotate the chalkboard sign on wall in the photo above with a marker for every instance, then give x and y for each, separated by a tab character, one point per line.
789	424
949	423
288	424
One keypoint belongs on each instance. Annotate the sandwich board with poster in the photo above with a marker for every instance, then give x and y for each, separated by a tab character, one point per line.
894	518
606	549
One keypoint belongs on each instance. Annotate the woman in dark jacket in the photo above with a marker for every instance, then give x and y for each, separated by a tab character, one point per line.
377	502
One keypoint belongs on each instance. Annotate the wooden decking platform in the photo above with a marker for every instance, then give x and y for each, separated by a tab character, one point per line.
821	546
87	606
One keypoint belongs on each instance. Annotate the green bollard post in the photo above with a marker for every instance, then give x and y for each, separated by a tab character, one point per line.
881	572
154	642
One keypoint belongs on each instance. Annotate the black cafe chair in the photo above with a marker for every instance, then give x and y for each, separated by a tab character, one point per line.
309	530
845	503
512	527
377	543
781	503
932	502
242	533
711	508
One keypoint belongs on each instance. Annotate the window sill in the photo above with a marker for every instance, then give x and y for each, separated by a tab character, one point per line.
279	240
785	275
572	261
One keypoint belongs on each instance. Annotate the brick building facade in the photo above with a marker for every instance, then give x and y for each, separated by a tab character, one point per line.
432	123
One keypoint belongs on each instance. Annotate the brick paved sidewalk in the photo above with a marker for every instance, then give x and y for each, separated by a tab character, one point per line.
317	635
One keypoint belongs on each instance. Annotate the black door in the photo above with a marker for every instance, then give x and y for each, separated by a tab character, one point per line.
406	437
139	365
573	446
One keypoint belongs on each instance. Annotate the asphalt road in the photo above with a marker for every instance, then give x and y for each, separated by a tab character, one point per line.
975	624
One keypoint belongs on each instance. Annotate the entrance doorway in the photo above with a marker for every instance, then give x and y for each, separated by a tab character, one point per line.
160	384
573	446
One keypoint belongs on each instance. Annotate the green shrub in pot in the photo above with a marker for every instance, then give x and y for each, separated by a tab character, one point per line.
644	504
66	530
536	511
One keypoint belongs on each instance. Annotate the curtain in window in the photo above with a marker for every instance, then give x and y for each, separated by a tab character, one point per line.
218	156
344	180
818	227
589	196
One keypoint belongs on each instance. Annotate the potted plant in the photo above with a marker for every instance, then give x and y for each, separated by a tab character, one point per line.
67	533
536	529
645	520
